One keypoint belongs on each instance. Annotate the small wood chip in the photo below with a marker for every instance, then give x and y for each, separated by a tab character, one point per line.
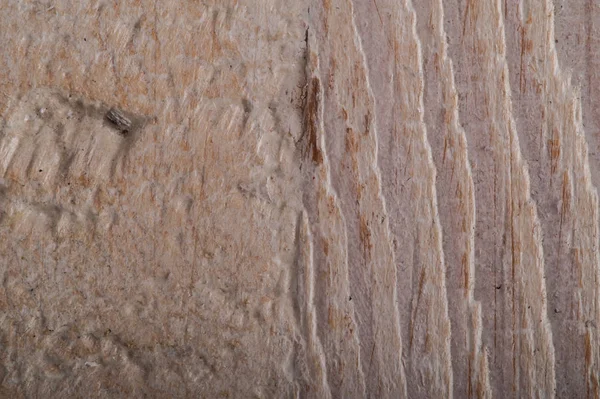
117	118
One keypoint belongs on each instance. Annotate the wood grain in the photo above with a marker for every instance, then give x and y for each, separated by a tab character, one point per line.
321	199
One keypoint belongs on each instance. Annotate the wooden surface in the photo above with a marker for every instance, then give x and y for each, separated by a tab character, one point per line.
277	198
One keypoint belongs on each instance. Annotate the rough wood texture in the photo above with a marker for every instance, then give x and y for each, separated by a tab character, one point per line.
277	198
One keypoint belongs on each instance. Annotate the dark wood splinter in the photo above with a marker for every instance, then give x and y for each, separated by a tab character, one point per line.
119	120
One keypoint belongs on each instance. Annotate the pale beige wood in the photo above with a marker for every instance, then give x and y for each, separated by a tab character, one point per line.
276	198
